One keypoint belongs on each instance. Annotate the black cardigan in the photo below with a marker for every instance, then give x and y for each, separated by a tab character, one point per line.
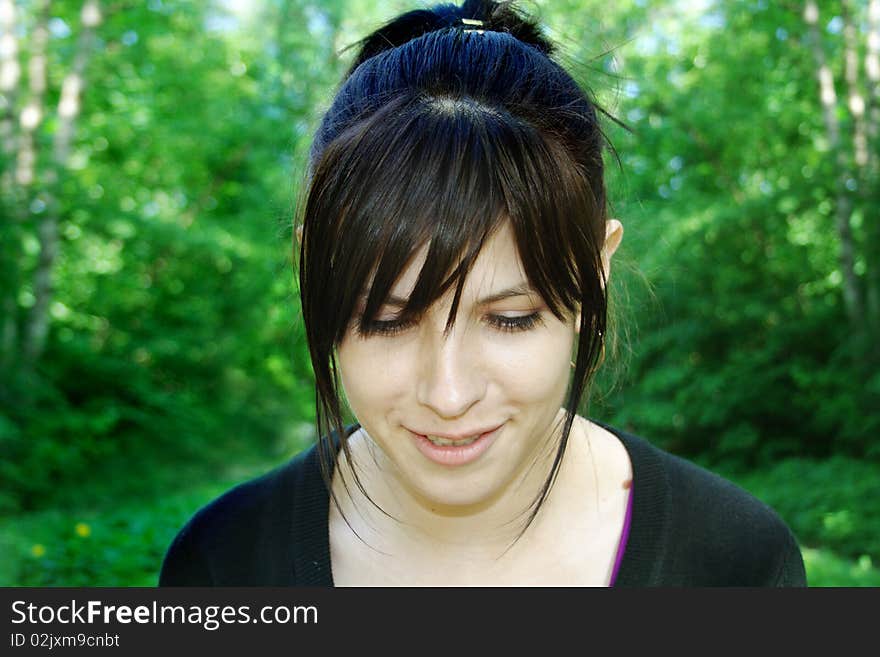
689	527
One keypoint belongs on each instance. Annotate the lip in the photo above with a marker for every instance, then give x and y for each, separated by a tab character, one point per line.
461	435
452	455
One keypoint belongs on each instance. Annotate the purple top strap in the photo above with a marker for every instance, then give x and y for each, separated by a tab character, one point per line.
621	547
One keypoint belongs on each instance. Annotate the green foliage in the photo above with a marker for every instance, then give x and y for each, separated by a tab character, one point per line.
826	569
174	327
741	351
175	345
121	546
119	550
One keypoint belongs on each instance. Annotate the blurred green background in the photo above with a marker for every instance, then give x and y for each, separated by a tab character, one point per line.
150	343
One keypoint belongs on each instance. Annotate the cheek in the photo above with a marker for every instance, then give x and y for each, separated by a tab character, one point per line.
371	376
536	369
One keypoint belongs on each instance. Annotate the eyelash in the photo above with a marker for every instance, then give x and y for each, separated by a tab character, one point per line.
500	322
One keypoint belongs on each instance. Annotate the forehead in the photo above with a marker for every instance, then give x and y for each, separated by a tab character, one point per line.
498	264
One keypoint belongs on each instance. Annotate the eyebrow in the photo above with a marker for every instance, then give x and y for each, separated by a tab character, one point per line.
523	289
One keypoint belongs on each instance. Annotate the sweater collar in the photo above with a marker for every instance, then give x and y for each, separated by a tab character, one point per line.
642	556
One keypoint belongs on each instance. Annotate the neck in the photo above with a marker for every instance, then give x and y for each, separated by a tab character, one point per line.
480	531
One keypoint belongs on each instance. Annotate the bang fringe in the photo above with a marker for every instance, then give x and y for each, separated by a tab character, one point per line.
454	171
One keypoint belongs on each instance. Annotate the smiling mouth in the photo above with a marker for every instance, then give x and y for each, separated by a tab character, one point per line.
446	442
455	450
461	439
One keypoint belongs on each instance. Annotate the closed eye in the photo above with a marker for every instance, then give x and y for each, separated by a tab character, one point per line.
515	323
384	327
504	323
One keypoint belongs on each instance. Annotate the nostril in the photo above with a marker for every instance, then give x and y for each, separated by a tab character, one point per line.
450	379
450	394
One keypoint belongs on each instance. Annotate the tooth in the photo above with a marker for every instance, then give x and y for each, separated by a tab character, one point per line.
444	442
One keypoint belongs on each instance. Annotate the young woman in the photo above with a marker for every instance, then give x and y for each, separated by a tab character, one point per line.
455	249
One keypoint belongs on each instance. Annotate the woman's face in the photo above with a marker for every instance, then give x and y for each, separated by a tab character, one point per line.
460	416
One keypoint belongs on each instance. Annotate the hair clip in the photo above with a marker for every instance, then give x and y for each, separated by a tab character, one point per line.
472	25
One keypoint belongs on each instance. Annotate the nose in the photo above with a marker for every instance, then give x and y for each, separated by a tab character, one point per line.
451	379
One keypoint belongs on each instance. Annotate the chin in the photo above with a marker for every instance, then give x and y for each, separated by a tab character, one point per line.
457	497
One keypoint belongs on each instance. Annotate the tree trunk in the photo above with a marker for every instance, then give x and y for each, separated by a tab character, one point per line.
852	296
68	110
855	98
34	110
872	193
10	72
9	76
29	122
872	72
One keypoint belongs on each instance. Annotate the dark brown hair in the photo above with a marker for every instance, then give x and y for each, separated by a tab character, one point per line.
441	131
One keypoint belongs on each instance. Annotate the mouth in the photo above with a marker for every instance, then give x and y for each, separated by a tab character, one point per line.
460	438
455	450
440	441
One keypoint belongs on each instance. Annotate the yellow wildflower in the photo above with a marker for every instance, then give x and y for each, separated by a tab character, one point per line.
82	529
38	550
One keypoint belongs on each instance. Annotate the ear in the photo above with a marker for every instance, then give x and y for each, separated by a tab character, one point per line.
613	237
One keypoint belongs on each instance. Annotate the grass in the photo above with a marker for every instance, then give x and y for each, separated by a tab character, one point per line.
824	568
103	545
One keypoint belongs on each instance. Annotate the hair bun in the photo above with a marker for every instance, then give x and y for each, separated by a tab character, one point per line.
506	16
497	16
